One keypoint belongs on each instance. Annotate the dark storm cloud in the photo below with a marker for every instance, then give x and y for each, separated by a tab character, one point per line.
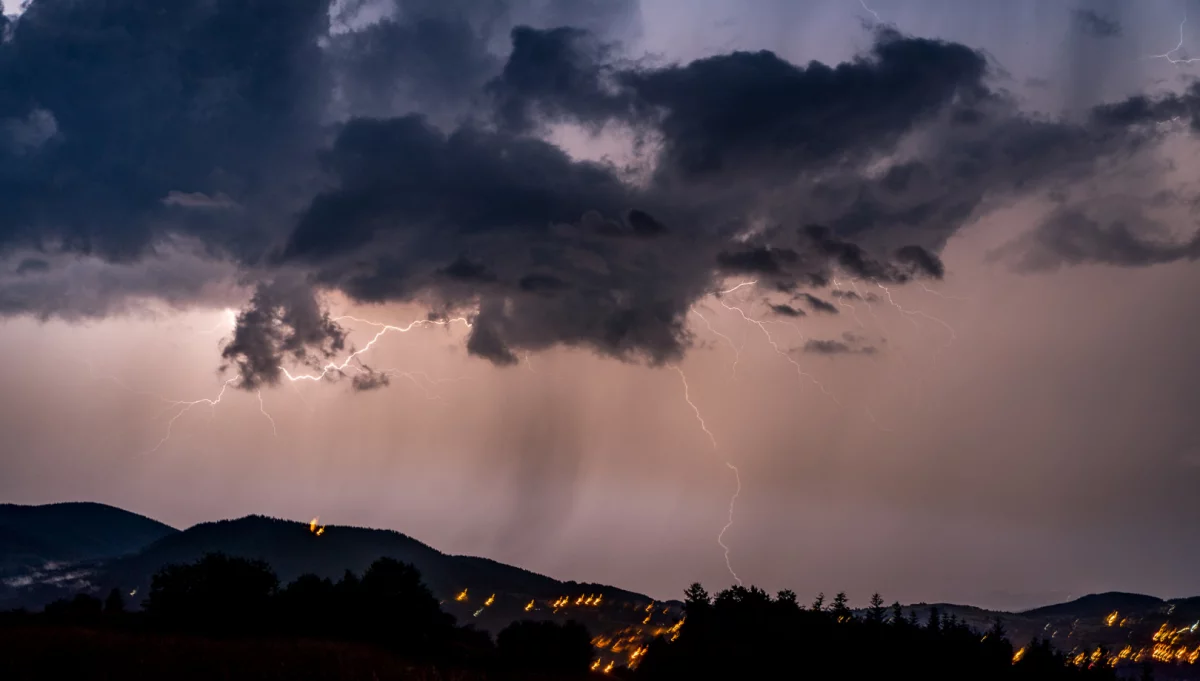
465	270
543	283
367	379
817	304
284	320
556	74
1145	109
1071	237
400	159
123	124
747	113
852	295
755	114
32	265
110	107
910	261
836	347
921	260
644	224
476	182
758	260
787	310
532	217
78	287
1095	24
436	56
422	58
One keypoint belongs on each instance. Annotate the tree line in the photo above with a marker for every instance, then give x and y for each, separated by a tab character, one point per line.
388	606
738	633
745	633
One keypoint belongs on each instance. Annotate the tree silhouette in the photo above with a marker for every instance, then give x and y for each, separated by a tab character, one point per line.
82	610
876	611
818	603
114	604
787	596
840	607
746	634
215	595
395	608
545	647
311	606
695	596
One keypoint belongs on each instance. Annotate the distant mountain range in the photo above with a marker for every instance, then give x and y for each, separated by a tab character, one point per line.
52	551
33	536
60	549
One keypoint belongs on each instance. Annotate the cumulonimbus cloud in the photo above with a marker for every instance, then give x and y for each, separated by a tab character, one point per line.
402	160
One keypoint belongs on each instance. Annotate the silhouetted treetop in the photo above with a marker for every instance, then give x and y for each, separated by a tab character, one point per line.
745	634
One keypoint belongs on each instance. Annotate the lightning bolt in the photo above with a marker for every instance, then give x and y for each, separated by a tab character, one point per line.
943	295
228	320
687	397
800	372
263	409
896	305
186	406
848	306
741	285
737	476
919	313
120	384
873	12
383	330
426	387
870	308
1167	55
181	407
737	352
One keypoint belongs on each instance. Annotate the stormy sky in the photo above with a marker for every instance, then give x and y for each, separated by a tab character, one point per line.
924	266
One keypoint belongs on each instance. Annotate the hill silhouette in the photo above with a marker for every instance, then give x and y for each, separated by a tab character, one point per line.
1098	605
59	550
292	550
33	536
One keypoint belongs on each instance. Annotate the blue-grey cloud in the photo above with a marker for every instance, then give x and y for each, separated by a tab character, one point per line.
403	158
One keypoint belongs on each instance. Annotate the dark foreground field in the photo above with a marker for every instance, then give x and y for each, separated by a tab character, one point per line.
29	653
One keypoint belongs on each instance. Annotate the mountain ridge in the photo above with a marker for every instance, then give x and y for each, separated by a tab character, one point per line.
32	536
293	550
